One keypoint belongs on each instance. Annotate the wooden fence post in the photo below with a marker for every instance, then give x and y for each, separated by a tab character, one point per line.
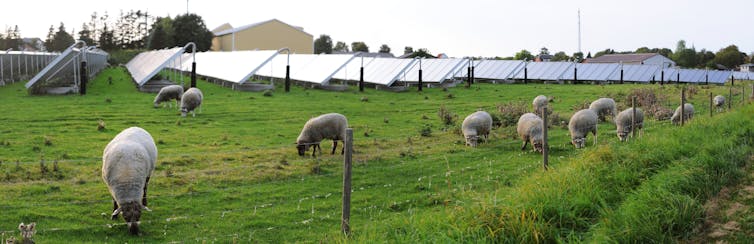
730	96
346	214
710	104
545	145
633	118
683	104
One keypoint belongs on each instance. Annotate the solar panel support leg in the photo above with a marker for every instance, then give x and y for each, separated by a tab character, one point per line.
193	74
287	78
84	78
420	80
361	79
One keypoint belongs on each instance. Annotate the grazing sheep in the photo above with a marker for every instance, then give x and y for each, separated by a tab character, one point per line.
603	107
169	93
327	126
719	101
191	100
688	113
475	125
581	123
27	232
539	102
623	122
127	164
530	129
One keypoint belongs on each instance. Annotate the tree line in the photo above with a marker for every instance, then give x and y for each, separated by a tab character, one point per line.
129	30
728	57
324	44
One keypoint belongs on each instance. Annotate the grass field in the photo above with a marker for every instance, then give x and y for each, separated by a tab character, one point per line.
232	173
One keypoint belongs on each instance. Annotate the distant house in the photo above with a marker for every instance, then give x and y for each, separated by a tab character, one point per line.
543	58
633	58
32	44
747	68
266	35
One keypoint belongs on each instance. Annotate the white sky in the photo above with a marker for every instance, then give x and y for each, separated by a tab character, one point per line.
455	27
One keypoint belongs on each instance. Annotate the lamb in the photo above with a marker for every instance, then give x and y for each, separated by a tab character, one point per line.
475	125
581	123
127	164
603	107
530	129
327	126
169	93
688	113
539	103
623	122
719	101
191	100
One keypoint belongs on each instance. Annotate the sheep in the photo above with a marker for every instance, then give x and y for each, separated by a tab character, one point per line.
603	107
688	113
327	126
539	102
623	122
127	164
169	93
581	123
27	232
475	125
719	101
191	100
530	129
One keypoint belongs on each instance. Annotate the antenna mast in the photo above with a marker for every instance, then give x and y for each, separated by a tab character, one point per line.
579	23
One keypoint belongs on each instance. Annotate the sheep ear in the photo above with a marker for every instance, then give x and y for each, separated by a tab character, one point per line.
116	212
21	226
31	226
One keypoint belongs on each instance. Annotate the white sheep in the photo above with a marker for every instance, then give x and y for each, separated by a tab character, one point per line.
327	126
719	102
475	125
603	107
191	100
688	113
169	93
127	164
530	129
623	122
539	102
581	123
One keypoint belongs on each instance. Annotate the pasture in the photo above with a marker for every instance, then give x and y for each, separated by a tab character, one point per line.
232	173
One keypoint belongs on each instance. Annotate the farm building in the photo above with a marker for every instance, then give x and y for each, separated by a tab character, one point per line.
633	58
266	35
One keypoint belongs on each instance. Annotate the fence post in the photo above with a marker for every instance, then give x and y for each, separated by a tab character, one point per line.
346	214
288	78
633	118
683	104
193	74
730	96
710	104
545	145
468	76
84	78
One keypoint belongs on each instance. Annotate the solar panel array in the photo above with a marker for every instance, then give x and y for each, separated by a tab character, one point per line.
64	70
20	65
238	67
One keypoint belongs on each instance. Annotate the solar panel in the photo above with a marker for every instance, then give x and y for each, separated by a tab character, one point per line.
545	70
352	70
385	71
738	75
635	73
322	68
235	66
719	76
64	66
147	64
496	69
435	70
593	72
20	65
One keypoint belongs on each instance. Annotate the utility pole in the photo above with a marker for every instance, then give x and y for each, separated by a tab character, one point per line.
579	23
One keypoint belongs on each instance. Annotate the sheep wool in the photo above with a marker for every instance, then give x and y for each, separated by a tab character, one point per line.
327	126
603	107
530	130
191	100
623	122
169	93
539	103
127	163
688	113
476	125
581	123
719	102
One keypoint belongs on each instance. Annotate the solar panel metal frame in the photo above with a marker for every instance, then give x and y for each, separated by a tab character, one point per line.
57	64
228	63
496	69
641	73
592	71
386	71
544	70
434	70
314	72
150	56
355	64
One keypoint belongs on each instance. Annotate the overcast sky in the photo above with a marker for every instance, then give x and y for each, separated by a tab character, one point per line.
458	28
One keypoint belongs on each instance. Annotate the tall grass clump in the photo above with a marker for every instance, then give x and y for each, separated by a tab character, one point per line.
651	190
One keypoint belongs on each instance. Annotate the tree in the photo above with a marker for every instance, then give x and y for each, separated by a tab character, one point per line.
684	57
341	47
107	39
359	47
560	56
729	56
604	52
544	51
384	48
407	50
62	39
664	52
578	56
13	38
50	37
323	44
643	50
704	59
86	35
523	55
161	35
589	55
191	28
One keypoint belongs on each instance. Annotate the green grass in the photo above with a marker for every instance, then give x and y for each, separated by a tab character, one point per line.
232	172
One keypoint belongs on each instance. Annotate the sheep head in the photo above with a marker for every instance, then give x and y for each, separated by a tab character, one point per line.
302	148
131	213
472	140
537	144
579	142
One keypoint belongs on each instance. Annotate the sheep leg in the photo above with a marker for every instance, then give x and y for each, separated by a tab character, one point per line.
343	149
523	147
334	146
595	136
115	207
320	149
144	198
314	150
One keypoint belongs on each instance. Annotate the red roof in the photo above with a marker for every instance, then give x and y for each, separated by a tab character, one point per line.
625	58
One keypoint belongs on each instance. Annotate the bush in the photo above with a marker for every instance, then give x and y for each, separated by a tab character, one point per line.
426	130
448	118
510	112
660	112
267	93
645	98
